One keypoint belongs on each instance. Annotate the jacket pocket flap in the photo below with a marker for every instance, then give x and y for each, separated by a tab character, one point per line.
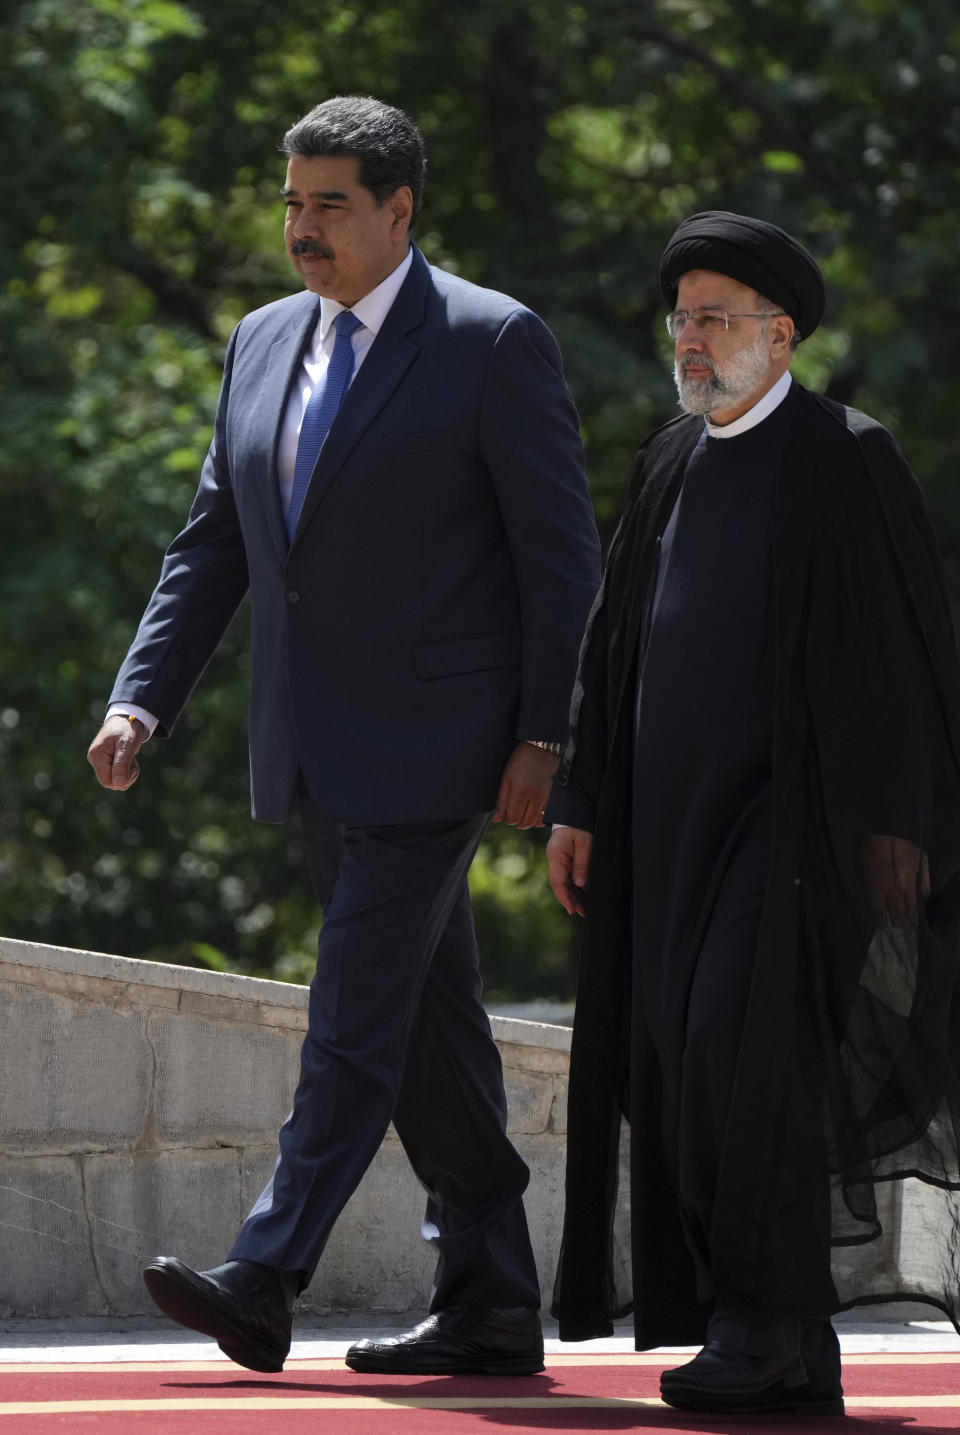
467	655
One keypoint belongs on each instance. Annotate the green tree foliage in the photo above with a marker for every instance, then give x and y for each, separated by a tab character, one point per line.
140	220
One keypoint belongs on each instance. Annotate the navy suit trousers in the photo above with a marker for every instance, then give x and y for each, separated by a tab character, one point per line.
397	1032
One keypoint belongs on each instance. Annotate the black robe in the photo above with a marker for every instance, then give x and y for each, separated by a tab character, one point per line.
845	1112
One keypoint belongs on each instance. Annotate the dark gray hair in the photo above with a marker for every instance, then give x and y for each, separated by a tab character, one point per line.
385	141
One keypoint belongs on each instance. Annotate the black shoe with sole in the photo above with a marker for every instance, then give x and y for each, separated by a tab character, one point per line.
723	1379
245	1307
462	1340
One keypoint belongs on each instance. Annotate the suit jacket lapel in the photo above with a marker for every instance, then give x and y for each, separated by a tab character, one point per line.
283	362
390	355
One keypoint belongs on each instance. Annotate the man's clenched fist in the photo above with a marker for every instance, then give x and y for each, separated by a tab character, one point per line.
113	752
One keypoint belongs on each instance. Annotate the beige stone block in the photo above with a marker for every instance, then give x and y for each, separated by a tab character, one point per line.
376	1259
220	1082
219	1008
46	1261
294	1019
529	1100
534	1058
229	1008
546	1157
106	990
558	1114
183	1203
538	1035
75	1075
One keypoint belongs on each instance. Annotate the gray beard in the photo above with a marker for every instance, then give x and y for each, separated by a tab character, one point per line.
733	379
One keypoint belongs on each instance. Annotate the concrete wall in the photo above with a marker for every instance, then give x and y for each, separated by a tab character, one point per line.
139	1112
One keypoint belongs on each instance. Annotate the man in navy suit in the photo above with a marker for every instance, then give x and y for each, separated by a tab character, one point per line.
396	476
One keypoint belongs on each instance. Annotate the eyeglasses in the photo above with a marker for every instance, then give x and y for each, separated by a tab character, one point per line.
709	321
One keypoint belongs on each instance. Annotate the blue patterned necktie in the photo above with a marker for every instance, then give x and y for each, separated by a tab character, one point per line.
320	412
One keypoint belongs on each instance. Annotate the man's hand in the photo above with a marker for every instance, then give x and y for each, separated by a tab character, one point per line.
897	877
525	786
568	853
113	752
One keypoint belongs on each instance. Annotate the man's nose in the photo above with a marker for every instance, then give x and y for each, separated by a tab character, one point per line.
690	339
307	225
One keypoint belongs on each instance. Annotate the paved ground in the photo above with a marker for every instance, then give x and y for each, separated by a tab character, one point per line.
141	1340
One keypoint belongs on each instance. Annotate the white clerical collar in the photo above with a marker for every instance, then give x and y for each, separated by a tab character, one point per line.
374	307
765	406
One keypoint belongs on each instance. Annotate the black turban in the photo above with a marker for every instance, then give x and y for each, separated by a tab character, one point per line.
752	251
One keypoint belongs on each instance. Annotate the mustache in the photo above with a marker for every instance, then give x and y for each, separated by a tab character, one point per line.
310	249
695	361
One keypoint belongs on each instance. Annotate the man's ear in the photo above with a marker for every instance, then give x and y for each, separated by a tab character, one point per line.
781	332
401	204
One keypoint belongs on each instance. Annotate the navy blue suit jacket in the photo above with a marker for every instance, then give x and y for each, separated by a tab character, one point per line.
429	610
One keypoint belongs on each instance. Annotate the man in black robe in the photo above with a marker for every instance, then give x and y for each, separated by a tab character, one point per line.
758	814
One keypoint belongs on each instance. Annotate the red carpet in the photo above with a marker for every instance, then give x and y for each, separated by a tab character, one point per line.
908	1394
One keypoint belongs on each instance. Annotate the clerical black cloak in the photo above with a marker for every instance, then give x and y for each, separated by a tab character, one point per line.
845	1112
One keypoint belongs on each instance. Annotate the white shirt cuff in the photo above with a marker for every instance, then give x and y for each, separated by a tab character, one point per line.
131	710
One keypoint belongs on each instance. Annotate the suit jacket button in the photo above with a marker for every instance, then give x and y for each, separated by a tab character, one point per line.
293	596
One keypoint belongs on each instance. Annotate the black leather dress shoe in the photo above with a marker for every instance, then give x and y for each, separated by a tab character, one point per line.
721	1378
462	1340
245	1307
724	1377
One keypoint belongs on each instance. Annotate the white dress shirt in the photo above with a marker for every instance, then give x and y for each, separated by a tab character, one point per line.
371	310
